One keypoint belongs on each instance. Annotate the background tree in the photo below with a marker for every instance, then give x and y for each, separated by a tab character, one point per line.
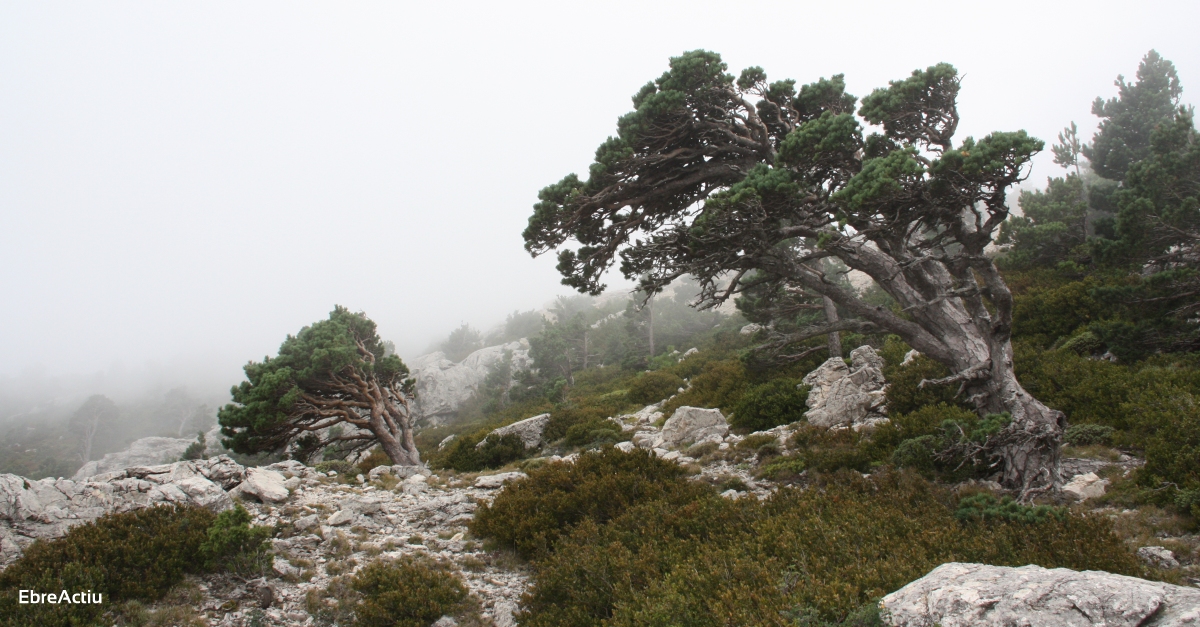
331	374
720	178
1158	239
97	412
462	342
1127	120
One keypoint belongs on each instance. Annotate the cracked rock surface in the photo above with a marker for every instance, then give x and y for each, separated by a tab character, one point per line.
962	595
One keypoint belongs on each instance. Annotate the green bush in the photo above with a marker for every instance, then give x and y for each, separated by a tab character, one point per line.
340	466
465	455
233	545
593	433
905	394
137	555
774	403
530	515
917	453
817	556
195	450
1087	435
719	385
652	387
985	506
1173	447
565	417
408	592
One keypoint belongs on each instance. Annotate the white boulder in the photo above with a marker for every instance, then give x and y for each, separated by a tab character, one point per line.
978	595
529	430
144	452
848	396
491	482
340	517
1085	486
264	485
1158	556
443	386
692	424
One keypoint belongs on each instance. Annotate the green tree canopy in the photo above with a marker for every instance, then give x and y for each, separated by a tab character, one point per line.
462	342
333	373
726	179
1127	121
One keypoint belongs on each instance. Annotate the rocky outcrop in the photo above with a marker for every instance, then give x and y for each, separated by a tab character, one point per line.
693	424
1158	557
848	396
977	595
529	430
145	452
1085	486
48	508
264	485
443	386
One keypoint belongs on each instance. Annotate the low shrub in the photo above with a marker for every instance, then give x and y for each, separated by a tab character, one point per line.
1087	435
721	385
1172	450
375	458
904	392
136	555
233	545
985	506
408	592
565	417
531	514
817	556
195	450
340	466
593	433
464	453
774	403
652	387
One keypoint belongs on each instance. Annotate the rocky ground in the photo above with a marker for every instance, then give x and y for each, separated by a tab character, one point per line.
328	525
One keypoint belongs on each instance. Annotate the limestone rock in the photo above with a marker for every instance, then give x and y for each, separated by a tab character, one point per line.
691	424
48	508
264	485
624	447
304	523
504	614
848	396
1158	556
144	452
443	386
1086	486
283	568
445	621
751	329
644	418
491	482
977	595
529	430
340	517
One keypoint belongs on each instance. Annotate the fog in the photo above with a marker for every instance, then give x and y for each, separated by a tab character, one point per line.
184	184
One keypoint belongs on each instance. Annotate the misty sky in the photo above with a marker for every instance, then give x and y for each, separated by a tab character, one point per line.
183	184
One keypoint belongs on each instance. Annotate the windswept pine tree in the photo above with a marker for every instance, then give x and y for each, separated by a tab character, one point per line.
332	384
744	183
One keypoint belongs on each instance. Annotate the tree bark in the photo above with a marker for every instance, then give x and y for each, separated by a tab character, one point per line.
951	324
831	316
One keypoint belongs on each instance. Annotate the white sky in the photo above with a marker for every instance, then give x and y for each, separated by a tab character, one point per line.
182	184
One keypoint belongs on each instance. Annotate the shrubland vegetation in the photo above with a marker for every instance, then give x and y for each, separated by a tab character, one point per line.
627	539
129	558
